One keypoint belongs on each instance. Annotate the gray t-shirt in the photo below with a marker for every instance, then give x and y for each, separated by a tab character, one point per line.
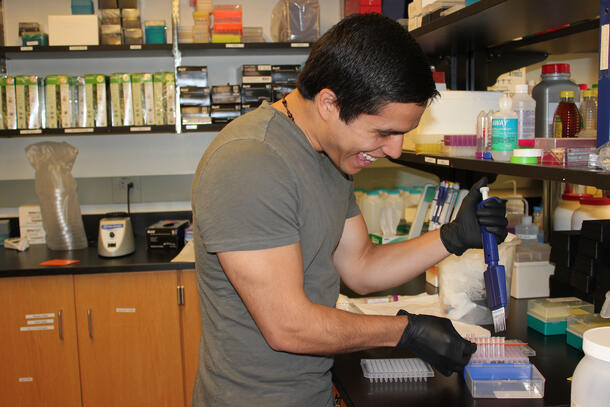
260	184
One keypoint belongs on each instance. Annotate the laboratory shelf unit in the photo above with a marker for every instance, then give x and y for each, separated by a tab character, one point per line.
87	131
446	166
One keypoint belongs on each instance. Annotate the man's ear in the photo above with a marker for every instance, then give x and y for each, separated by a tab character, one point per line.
326	103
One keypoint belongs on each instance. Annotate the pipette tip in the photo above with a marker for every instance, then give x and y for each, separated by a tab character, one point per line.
499	319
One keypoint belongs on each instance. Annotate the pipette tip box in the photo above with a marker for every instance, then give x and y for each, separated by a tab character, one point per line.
549	315
530	386
579	324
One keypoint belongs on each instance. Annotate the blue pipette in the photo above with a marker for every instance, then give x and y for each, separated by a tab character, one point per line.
495	275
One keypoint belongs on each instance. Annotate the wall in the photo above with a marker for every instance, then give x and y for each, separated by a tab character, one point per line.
164	163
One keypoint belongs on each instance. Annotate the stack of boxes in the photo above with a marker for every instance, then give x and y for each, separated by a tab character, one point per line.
82	7
121	23
582	262
30	224
30	34
192	82
362	6
253	34
422	12
283	80
201	27
256	86
227	23
226	103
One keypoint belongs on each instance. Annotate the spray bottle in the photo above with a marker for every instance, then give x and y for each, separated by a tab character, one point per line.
504	130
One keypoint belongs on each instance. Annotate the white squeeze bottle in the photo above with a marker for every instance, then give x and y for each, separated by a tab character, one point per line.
525	107
504	131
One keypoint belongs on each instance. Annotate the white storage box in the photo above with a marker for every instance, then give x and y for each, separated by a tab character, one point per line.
81	29
455	112
531	279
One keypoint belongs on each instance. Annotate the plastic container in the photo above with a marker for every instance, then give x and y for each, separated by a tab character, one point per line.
460	146
531	387
592	375
590	209
226	36
579	324
588	109
462	286
154	31
555	78
562	216
531	278
526	156
526	230
525	107
504	131
371	205
549	316
566	120
396	370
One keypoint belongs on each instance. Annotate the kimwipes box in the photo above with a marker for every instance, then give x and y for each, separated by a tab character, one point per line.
166	234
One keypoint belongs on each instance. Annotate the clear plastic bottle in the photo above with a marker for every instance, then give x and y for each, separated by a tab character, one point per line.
588	109
525	107
504	131
537	218
567	119
555	78
526	230
483	136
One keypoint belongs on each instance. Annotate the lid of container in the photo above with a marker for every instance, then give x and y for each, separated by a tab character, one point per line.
521	88
595	201
567	94
372	193
582	86
527	152
571	196
555	68
596	343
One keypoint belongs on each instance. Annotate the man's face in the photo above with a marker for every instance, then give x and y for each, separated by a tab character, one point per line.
358	144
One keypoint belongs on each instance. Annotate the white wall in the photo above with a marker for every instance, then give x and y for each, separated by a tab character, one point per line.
583	67
132	155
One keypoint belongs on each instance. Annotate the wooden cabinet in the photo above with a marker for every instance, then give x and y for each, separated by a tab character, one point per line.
38	357
191	330
117	339
129	339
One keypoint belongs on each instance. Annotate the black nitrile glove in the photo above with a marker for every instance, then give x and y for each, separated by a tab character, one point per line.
465	230
436	341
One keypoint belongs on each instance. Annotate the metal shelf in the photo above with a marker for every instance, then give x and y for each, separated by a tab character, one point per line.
445	166
207	49
87	131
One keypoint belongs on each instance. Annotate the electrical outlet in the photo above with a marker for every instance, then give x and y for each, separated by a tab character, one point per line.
119	190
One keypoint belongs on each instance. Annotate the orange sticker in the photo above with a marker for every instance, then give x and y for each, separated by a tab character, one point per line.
58	262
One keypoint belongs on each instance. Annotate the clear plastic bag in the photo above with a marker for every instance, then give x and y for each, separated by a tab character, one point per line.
295	21
56	191
601	157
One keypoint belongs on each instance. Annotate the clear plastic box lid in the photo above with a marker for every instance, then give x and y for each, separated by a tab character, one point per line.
579	324
558	309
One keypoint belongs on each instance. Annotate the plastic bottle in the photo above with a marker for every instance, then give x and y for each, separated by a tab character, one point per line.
555	78
526	230
371	206
567	119
590	209
504	131
525	107
588	110
537	218
590	380
562	215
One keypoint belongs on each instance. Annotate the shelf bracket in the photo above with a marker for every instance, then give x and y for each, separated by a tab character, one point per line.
3	65
502	62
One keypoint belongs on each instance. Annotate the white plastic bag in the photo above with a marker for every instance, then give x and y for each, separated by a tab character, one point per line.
56	191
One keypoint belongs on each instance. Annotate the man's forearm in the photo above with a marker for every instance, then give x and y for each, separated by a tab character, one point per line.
386	266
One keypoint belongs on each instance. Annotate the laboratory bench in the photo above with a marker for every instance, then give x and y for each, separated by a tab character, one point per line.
554	359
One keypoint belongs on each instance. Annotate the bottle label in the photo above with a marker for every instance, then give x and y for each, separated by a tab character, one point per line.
526	129
504	134
557	126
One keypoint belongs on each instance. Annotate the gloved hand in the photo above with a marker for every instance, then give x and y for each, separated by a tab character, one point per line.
436	341
465	230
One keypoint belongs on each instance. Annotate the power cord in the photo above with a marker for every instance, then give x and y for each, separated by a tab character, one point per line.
129	187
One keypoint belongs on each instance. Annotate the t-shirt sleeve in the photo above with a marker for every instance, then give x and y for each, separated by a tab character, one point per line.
352	206
245	199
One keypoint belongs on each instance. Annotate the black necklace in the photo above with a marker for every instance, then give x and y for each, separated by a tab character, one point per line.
285	103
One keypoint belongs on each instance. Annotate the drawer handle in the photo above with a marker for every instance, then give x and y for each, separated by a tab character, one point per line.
61	324
90	323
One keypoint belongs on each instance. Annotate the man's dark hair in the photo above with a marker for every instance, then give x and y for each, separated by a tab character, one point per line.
368	61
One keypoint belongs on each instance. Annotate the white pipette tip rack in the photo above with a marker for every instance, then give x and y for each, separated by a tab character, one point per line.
396	370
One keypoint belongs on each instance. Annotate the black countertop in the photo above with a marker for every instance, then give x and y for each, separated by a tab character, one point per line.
27	263
554	359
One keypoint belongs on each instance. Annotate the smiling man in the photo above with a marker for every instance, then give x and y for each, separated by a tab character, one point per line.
277	226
